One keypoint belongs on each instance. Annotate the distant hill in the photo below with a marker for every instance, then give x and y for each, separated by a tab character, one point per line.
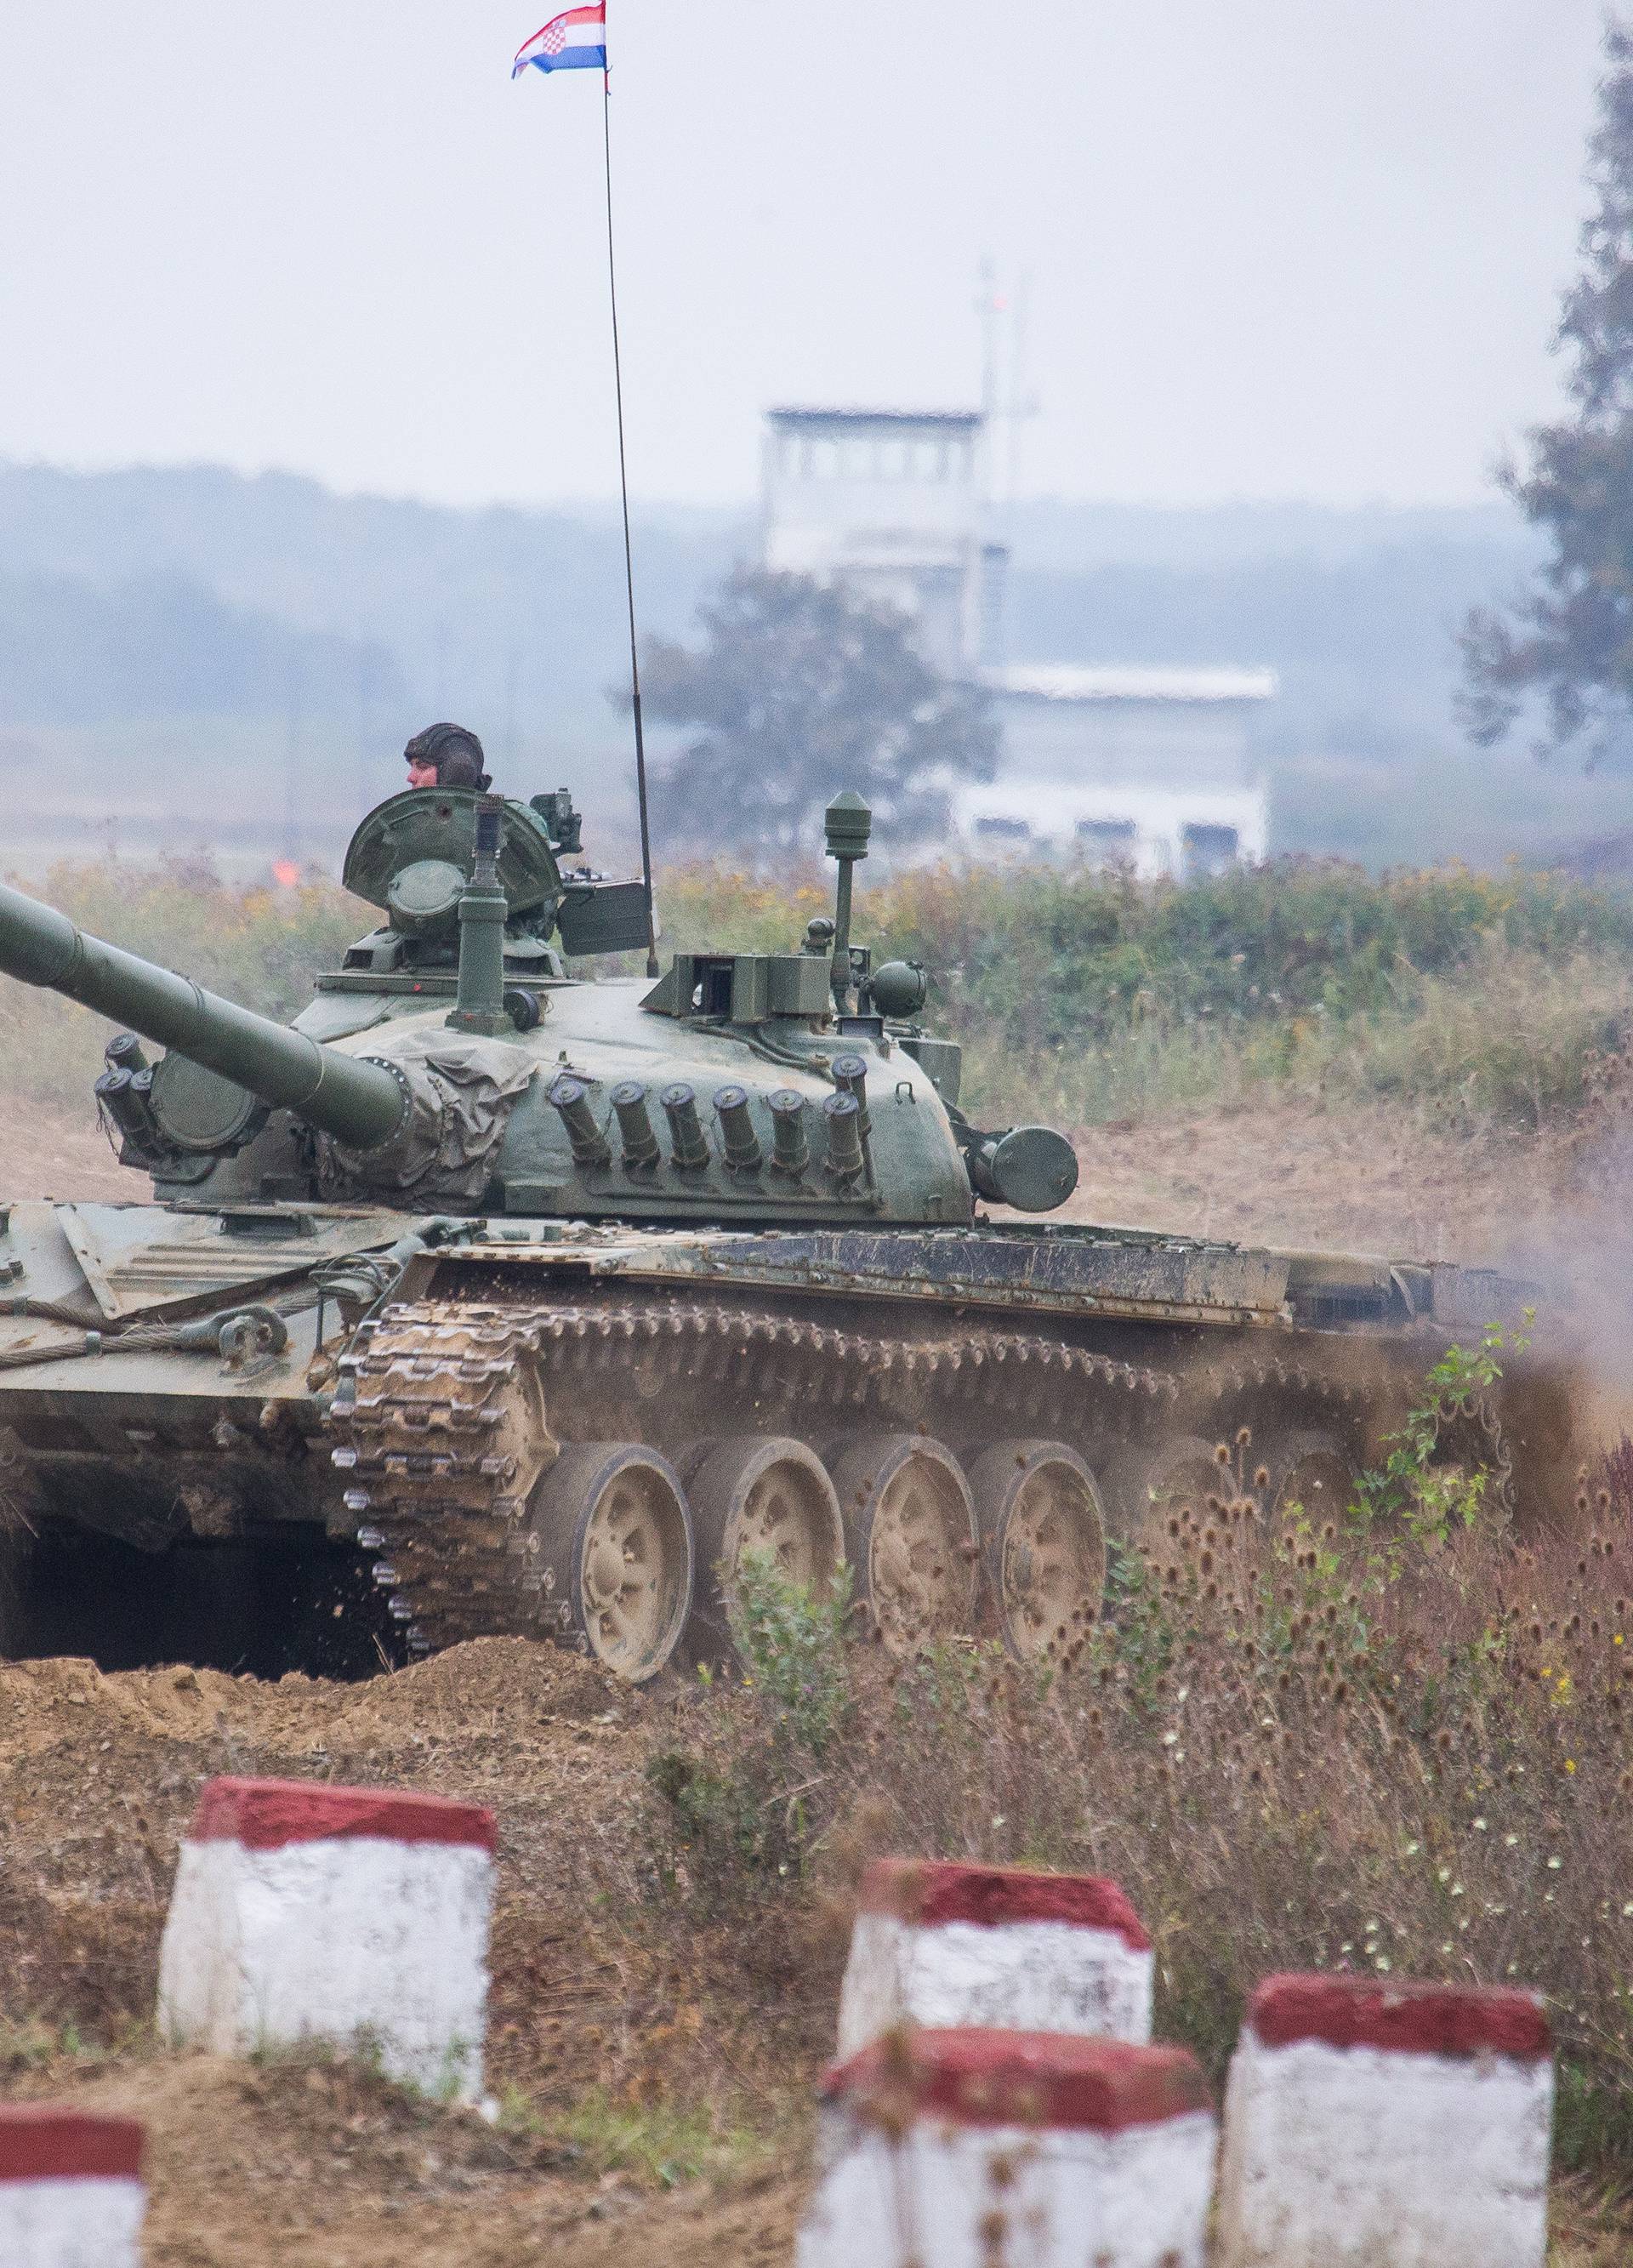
74	654
513	617
228	615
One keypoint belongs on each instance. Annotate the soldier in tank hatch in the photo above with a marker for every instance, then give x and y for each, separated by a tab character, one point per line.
446	755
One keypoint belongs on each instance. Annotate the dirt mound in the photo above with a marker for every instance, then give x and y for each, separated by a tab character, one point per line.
309	2162
497	1685
301	2163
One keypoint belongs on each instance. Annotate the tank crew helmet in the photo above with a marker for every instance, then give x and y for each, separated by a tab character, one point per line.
451	753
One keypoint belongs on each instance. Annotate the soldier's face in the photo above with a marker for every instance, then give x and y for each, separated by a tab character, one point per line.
422	774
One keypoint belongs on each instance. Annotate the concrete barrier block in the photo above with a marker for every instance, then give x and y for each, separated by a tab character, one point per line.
352	1915
955	2149
947	1944
1383	2125
71	2189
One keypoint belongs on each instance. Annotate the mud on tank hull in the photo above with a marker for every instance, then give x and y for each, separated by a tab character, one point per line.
553	1430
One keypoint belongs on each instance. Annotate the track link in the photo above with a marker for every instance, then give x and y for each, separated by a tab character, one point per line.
443	1418
427	1431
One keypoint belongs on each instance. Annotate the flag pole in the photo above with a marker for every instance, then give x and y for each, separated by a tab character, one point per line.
623	485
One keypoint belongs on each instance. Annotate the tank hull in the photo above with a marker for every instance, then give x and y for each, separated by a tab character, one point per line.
452	1404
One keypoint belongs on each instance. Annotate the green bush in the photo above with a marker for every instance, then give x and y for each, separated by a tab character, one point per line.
1094	997
731	1820
1101	997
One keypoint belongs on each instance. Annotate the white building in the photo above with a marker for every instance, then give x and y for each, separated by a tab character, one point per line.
890	503
1152	769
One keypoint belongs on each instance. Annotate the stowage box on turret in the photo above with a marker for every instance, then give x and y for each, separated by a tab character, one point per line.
550	1299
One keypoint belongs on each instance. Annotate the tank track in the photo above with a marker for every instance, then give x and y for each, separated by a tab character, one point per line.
1229	1395
439	1482
422	1394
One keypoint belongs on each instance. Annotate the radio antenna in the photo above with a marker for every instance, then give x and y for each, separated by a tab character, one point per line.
577	40
623	487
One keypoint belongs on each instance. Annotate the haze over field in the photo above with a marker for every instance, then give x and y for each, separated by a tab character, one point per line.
1275	250
1265	253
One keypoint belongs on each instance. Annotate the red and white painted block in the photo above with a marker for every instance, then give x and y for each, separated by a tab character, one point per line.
1392	2125
345	1914
954	2149
71	2189
936	1943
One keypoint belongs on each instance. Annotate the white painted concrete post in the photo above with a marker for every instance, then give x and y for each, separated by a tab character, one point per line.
1374	2125
957	2149
936	1943
71	2189
352	1915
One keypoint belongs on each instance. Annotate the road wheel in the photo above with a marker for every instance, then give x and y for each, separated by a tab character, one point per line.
609	1550
1043	1543
1313	1470
1147	1484
910	1527
772	1497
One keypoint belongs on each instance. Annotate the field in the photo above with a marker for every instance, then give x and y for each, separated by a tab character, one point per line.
1399	1746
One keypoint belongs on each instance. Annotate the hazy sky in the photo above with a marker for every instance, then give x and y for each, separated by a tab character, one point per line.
1277	247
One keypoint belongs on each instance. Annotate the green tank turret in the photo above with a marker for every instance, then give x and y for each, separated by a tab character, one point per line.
533	1303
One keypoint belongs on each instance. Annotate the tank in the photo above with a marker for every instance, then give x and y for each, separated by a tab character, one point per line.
522	1302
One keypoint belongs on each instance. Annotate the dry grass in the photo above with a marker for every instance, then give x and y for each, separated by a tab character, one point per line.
1483	1000
1354	1750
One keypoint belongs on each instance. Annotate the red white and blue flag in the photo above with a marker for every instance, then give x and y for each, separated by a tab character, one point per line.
575	41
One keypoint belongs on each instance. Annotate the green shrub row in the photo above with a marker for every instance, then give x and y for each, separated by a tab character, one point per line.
1094	997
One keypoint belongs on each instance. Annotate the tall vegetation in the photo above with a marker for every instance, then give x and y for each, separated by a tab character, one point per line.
1494	997
796	685
1570	641
1392	1742
1489	994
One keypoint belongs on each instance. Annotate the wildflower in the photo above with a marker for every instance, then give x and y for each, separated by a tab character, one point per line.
1478	1825
1554	1866
1571	1763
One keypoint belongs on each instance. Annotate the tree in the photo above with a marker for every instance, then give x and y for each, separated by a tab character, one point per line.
1571	639
800	690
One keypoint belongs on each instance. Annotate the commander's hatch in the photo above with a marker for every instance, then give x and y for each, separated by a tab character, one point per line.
410	855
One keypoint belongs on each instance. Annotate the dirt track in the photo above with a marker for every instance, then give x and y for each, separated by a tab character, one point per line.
301	2162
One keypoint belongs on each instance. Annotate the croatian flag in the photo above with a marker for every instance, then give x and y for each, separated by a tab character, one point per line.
575	41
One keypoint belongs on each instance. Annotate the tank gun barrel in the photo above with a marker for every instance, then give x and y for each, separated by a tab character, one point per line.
359	1103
